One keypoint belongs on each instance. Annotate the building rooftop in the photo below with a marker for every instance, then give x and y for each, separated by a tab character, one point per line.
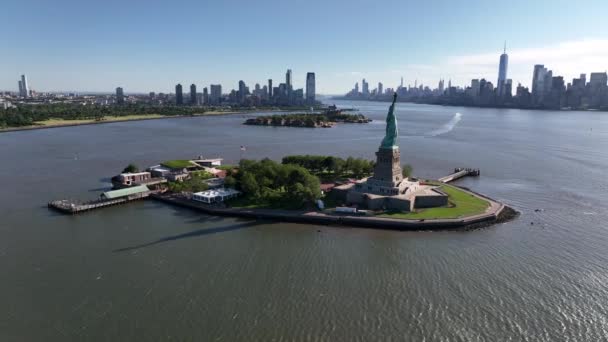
125	192
127	174
217	193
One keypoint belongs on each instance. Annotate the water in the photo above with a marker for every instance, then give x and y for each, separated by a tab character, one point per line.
147	271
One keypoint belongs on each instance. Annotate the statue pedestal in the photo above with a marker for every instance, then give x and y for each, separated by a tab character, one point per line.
387	172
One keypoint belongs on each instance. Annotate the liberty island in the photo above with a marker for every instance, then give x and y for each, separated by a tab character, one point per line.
387	199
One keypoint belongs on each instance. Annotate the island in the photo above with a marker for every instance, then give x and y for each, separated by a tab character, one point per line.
311	120
52	115
310	189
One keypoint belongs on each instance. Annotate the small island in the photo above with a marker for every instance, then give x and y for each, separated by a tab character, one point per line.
310	120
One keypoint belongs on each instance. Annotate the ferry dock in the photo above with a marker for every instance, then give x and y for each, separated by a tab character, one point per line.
460	173
108	199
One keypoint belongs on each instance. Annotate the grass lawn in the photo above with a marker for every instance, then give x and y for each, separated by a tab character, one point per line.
460	204
177	164
59	122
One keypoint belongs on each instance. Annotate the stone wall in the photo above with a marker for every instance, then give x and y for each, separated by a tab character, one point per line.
399	203
425	201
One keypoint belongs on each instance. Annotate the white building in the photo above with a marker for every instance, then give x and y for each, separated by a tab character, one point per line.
214	196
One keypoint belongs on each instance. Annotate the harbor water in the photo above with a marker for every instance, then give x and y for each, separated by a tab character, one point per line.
146	271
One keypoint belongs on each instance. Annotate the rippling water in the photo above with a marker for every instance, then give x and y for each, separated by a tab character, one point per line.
146	271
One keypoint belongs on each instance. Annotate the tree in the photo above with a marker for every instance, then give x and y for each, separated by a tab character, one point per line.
249	185
407	170
230	181
131	168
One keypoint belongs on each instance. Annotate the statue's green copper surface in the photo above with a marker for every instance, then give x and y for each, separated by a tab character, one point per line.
390	138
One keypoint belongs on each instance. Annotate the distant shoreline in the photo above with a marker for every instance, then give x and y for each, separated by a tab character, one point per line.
127	118
342	98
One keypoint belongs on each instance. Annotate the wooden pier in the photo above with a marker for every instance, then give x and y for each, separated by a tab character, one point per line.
74	207
460	173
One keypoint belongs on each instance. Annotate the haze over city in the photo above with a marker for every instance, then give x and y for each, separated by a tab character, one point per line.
143	46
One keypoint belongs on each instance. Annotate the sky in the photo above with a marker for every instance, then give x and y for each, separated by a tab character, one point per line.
144	46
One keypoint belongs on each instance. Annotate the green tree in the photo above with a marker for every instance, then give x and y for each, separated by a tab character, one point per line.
131	168
230	181
407	170
249	185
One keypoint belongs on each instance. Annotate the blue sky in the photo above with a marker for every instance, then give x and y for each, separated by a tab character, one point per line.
152	45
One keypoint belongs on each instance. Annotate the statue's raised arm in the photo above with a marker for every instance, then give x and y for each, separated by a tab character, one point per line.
390	138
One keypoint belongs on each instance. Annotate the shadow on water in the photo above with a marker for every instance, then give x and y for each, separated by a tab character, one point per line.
196	233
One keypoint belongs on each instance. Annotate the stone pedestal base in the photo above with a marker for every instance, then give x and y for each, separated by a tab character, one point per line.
387	172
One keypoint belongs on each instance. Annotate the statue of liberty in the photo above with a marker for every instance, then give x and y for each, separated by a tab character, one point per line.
390	138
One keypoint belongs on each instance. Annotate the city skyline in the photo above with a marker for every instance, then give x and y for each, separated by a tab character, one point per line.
145	48
486	64
547	91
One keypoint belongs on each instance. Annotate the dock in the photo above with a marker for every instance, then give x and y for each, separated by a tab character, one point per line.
460	173
74	207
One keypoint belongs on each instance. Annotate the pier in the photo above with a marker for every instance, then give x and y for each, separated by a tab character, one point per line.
74	207
460	173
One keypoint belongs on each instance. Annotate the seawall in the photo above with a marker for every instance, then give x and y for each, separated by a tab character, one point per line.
498	213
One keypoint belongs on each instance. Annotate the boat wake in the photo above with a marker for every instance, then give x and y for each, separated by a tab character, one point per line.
447	127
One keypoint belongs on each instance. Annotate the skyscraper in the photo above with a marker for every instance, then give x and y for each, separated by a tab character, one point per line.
598	79
20	88
502	72
364	87
193	98
288	80
24	89
120	96
205	96
215	96
598	89
179	96
475	88
242	91
310	87
270	88
538	84
380	88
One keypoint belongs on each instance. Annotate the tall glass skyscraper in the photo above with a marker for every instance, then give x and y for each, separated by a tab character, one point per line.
24	89
288	80
193	96
310	87
179	96
502	72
